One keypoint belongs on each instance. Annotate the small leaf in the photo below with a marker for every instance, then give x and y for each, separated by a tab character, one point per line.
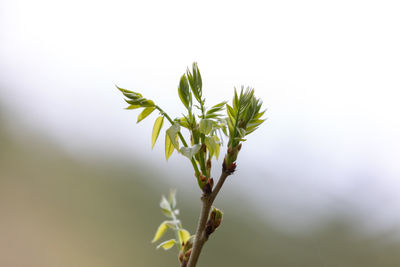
241	131
172	198
173	224
231	127
211	145
195	82
146	112
123	90
184	92
133	107
214	109
147	103
217	146
183	122
133	95
164	204
184	236
169	147
189	152
165	207
235	101
160	231
156	130
167	244
231	113
205	126
172	132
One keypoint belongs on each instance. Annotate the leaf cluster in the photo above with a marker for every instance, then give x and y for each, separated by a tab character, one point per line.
182	236
206	126
244	115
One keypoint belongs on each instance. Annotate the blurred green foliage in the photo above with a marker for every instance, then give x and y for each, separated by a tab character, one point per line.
58	211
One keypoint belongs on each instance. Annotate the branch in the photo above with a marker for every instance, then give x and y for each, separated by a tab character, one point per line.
201	237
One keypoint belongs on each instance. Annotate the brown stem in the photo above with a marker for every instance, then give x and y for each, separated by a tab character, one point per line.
201	238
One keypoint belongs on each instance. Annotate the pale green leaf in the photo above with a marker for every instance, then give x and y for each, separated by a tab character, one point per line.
205	126
123	90
133	107
160	231
189	152
172	133
241	131
173	224
167	244
183	122
146	112
147	103
217	146
214	109
172	198
184	92
231	113
156	130
165	207
164	204
169	147
184	236
211	145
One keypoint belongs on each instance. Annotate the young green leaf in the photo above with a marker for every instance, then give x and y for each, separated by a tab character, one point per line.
217	146
164	204
195	82
160	231
172	132
189	152
211	145
133	107
213	111
184	92
156	130
165	207
172	198
146	112
205	126
129	94
184	235
173	224
167	244
184	122
169	147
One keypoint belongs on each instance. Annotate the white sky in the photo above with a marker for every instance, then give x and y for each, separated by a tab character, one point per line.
328	72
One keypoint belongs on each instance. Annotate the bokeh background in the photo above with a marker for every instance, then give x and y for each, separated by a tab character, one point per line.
317	185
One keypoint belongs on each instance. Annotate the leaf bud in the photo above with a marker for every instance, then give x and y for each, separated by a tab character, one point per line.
187	254
239	146
202	178
211	182
217	217
203	148
207	188
209	164
232	168
224	164
180	256
209	228
213	222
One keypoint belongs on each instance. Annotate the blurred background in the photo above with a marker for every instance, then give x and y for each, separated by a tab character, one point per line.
317	185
